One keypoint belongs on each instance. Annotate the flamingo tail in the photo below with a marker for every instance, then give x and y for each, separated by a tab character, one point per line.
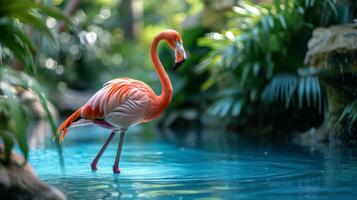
63	129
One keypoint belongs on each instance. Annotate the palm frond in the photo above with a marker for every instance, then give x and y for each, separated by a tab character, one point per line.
226	107
309	92
284	88
327	14
280	89
349	113
229	103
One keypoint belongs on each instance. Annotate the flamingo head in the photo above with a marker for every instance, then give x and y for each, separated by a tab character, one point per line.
174	40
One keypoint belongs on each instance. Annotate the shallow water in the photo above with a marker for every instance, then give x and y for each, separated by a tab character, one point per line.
154	168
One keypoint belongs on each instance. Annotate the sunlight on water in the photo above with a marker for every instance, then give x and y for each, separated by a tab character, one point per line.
156	169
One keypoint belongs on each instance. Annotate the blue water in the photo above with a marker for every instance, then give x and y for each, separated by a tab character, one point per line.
187	166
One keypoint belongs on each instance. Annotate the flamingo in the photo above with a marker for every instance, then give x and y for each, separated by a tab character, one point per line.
124	102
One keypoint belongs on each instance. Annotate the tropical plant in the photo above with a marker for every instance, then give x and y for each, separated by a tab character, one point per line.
258	57
284	87
18	20
349	115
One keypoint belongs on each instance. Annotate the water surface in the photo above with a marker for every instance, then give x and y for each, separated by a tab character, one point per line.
184	166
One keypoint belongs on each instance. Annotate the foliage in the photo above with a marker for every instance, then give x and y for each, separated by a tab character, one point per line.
289	89
14	16
15	130
17	18
108	53
349	114
258	56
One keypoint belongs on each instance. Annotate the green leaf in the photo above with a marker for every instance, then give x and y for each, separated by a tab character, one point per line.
8	140
221	108
319	95
312	3
256	68
301	90
18	47
277	5
35	21
18	116
265	24
349	113
307	91
25	81
271	21
333	6
22	36
237	108
280	89
11	8
282	21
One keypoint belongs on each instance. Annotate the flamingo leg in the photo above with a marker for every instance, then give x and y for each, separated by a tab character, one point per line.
116	169
96	159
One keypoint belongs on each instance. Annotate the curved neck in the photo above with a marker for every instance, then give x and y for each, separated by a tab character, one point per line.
165	97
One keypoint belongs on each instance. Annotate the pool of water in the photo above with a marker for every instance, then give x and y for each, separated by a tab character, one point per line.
157	167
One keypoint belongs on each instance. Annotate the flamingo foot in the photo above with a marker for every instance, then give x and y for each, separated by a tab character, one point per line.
116	170
94	166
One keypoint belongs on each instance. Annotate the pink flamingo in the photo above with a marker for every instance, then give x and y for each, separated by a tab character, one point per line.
124	102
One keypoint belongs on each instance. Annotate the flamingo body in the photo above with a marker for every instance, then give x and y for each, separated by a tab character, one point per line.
124	102
121	103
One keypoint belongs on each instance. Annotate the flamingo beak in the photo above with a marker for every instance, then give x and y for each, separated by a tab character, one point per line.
180	56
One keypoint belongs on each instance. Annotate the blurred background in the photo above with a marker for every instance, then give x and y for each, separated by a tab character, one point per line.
258	72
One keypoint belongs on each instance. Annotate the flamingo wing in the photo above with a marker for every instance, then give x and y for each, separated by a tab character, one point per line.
121	102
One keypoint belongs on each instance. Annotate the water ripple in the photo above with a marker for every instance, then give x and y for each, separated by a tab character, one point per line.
156	170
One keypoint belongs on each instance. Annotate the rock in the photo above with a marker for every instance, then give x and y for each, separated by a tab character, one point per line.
181	119
314	137
18	181
32	103
327	42
68	99
333	51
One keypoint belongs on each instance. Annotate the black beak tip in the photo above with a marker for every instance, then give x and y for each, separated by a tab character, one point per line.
177	65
